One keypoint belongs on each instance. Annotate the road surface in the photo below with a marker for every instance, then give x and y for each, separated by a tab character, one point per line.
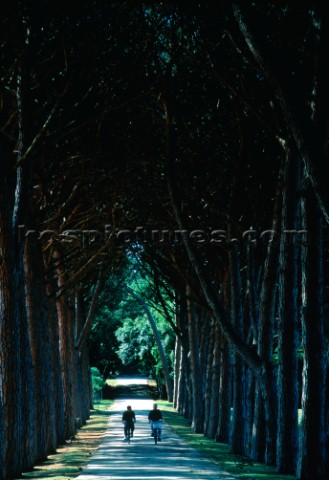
172	459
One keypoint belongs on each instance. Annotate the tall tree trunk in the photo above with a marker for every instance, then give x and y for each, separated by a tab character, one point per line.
177	366
252	446
184	400
238	414
87	387
35	402
183	406
56	369
15	359
178	352
250	402
64	331
82	392
266	324
225	397
327	419
195	367
224	410
213	409
81	329
73	361
30	420
252	291
311	461
209	362
257	451
205	357
11	388
289	294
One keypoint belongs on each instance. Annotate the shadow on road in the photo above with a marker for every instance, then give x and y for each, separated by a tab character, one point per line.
133	387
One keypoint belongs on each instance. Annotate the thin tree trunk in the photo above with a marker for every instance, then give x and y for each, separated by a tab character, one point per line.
82	359
257	451
266	324
56	368
195	367
183	399
183	406
238	414
213	410
82	334
178	359
251	445
64	331
252	291
250	401
209	362
311	461
77	327
224	410
287	434
178	354
36	401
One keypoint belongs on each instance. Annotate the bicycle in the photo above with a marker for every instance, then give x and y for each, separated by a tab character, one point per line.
156	432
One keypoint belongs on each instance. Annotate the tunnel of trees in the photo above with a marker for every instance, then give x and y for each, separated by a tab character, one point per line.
165	163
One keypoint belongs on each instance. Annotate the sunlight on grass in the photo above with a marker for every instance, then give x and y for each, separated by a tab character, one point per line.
112	382
218	452
70	458
151	382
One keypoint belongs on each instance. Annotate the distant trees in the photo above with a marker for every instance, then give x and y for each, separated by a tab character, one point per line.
131	331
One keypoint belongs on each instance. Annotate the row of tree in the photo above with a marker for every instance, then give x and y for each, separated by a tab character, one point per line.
48	290
193	137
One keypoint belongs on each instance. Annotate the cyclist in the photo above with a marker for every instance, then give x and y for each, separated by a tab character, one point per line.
155	415
128	419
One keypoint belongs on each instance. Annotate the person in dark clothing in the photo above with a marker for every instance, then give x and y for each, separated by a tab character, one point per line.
155	415
128	419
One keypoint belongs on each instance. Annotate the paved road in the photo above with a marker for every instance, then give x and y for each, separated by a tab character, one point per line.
171	459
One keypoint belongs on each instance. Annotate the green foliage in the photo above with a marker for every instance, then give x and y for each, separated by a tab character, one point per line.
137	347
102	342
135	339
97	380
121	338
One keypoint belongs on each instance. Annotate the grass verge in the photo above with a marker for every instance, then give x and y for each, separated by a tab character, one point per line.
70	458
218	452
